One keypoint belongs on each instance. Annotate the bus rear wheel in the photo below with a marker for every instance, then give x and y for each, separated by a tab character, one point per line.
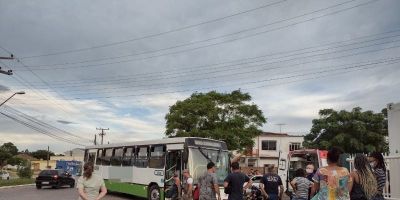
154	193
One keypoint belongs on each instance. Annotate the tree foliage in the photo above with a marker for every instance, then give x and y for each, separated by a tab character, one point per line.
25	170
222	116
7	151
354	131
41	154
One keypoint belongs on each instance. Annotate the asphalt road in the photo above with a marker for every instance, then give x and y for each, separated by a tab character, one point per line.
65	193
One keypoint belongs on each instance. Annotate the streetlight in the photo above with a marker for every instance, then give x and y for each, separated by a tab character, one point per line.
21	92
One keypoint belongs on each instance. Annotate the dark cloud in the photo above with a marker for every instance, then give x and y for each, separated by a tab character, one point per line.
65	122
55	25
4	89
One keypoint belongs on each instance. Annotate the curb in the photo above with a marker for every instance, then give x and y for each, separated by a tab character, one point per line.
13	186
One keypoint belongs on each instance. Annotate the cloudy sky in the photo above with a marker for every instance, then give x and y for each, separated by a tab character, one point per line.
121	64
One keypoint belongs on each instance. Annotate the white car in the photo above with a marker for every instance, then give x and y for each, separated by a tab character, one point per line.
4	175
256	182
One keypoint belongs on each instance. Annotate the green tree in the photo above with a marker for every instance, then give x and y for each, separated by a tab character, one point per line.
7	151
41	154
222	116
354	131
15	160
10	147
25	170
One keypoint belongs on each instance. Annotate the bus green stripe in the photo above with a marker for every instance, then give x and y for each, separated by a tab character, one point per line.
130	188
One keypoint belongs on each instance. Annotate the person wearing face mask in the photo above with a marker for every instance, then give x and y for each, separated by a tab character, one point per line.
378	165
309	175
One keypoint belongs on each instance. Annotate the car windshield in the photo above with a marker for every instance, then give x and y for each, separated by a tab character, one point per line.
199	157
48	173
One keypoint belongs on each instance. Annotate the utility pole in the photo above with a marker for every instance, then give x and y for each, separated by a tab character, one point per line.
48	156
95	139
102	134
8	72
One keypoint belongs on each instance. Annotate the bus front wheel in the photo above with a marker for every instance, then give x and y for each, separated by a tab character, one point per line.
154	193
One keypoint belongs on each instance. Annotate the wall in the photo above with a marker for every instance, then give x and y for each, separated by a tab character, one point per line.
394	128
42	164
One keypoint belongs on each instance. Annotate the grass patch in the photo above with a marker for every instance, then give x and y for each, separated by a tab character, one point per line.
18	181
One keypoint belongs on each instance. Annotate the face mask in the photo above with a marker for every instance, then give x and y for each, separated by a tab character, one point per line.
309	171
373	164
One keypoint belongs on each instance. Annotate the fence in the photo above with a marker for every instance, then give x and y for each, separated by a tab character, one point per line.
392	186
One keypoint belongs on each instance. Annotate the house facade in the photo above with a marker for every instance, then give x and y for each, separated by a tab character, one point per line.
271	149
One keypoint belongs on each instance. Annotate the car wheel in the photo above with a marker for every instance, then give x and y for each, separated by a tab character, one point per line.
38	187
72	185
154	193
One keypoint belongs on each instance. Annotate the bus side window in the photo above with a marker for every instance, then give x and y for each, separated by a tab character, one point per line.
107	156
127	158
142	159
99	157
157	155
116	159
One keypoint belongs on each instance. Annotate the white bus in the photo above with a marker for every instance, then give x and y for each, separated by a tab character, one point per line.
145	169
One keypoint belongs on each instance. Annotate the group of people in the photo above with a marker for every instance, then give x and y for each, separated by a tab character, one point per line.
365	182
333	182
236	183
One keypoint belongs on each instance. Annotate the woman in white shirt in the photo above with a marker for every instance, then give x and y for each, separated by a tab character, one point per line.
89	184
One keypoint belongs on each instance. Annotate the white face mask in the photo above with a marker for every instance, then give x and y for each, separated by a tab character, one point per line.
309	171
373	164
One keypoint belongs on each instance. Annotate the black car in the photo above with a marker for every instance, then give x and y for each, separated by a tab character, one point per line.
54	178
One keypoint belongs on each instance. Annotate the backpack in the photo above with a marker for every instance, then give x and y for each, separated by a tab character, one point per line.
196	193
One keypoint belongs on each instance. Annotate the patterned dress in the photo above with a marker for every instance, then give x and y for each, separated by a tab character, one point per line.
333	184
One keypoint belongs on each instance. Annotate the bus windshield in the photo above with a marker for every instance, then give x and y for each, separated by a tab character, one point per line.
199	157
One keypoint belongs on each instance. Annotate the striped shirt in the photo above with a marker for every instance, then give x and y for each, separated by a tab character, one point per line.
380	175
302	185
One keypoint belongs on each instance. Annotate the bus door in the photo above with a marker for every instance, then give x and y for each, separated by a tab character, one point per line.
173	164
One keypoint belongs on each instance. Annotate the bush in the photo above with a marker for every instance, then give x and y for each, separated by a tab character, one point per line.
25	171
16	182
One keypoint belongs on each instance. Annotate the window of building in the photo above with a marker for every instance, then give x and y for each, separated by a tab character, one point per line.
268	145
157	154
142	159
129	156
294	146
116	159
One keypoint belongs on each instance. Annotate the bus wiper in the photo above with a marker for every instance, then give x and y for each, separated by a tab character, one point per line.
205	156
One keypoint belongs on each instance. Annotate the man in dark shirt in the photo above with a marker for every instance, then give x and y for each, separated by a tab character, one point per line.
271	185
235	182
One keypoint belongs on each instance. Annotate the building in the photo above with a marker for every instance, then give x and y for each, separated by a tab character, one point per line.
72	155
271	149
76	154
394	128
38	165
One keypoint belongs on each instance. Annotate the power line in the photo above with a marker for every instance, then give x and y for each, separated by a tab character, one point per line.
33	119
234	70
157	34
212	66
38	67
47	84
31	126
220	86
